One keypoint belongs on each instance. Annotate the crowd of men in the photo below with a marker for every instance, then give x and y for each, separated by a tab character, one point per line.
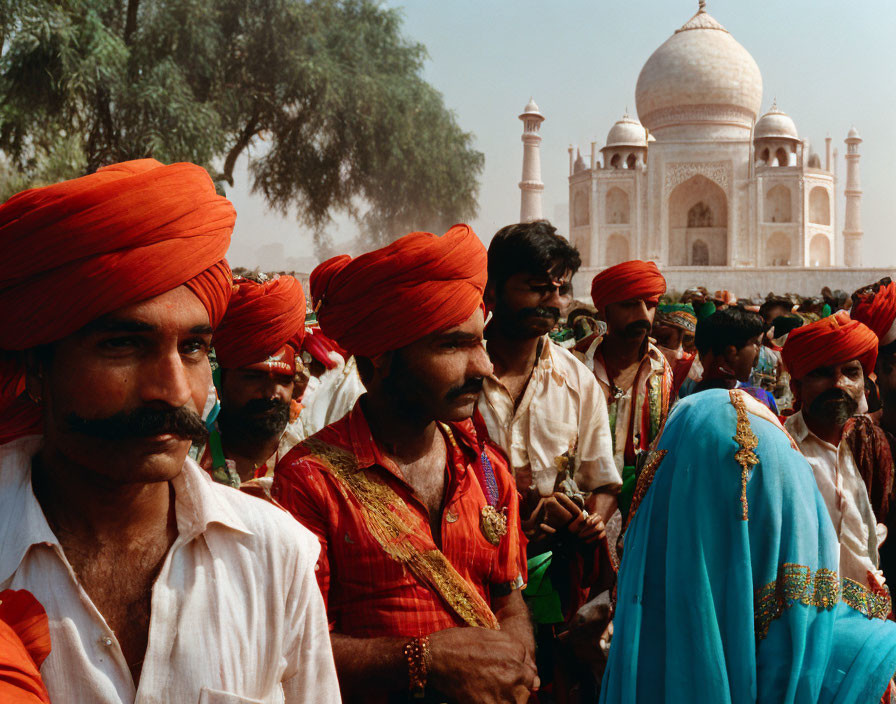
440	479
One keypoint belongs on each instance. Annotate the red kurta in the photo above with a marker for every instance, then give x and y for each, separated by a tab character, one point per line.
369	594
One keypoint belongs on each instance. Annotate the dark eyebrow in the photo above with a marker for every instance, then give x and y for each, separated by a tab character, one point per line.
109	324
458	337
201	330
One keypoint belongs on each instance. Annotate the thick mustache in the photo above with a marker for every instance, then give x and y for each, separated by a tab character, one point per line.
552	313
638	326
264	405
142	423
471	386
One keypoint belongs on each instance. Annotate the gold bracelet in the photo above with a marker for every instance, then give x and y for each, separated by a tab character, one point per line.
419	658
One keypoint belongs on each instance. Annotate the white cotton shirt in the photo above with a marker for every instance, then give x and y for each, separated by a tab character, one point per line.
846	498
236	613
562	410
652	364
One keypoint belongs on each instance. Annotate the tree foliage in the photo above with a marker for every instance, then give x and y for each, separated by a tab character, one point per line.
327	96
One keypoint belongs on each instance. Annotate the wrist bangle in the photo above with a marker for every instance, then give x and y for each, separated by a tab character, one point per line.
417	653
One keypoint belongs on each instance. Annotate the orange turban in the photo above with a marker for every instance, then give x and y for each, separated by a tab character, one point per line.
877	309
77	250
829	341
260	321
24	645
389	298
634	279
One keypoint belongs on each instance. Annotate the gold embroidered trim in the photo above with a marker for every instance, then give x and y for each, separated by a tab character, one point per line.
745	456
645	479
392	524
824	590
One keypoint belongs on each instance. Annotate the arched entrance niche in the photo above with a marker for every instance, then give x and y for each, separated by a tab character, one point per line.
617	207
819	206
778	205
777	249
698	211
617	250
820	251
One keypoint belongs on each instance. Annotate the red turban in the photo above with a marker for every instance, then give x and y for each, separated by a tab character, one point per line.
877	309
77	250
24	645
389	298
260	320
319	346
829	341
634	279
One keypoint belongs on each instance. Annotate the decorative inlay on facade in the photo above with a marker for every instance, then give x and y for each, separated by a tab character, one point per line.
678	173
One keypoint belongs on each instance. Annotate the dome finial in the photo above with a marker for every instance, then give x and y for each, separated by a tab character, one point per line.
702	6
775	104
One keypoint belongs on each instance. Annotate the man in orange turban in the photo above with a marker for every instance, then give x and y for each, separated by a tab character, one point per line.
875	305
635	376
416	512
114	285
257	348
828	361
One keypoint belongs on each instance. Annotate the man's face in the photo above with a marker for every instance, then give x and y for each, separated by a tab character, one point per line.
832	394
255	402
632	319
439	377
122	396
775	312
745	358
886	379
667	336
530	305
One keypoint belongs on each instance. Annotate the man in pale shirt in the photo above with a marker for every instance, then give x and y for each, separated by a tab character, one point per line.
159	585
827	361
547	412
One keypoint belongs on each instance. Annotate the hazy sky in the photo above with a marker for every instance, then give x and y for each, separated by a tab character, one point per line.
829	63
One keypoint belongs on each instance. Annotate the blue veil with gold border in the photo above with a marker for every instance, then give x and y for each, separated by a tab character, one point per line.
728	589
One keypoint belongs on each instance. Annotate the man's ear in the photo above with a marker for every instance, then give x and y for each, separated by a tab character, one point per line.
490	296
35	364
730	355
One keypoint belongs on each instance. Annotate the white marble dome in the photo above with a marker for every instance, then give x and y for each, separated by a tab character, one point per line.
701	74
775	125
627	133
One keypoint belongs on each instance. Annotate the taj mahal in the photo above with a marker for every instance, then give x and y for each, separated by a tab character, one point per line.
704	185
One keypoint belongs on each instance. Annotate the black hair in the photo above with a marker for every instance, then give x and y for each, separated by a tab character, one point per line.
773	302
530	247
731	326
885	356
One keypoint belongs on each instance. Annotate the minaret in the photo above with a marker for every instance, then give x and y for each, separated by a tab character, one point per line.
852	225
531	186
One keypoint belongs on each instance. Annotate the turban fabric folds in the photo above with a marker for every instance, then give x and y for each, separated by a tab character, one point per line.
79	249
833	340
24	645
680	315
387	299
876	308
260	321
634	279
321	347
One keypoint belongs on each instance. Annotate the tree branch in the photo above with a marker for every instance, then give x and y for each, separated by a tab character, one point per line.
242	142
130	23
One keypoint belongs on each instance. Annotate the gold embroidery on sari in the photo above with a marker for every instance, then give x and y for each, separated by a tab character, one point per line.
745	456
824	590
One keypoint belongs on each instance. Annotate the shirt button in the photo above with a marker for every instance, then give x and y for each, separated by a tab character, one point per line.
107	641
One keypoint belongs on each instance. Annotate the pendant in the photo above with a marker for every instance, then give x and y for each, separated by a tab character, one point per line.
493	524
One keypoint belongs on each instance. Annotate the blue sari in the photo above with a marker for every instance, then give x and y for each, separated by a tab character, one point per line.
728	589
